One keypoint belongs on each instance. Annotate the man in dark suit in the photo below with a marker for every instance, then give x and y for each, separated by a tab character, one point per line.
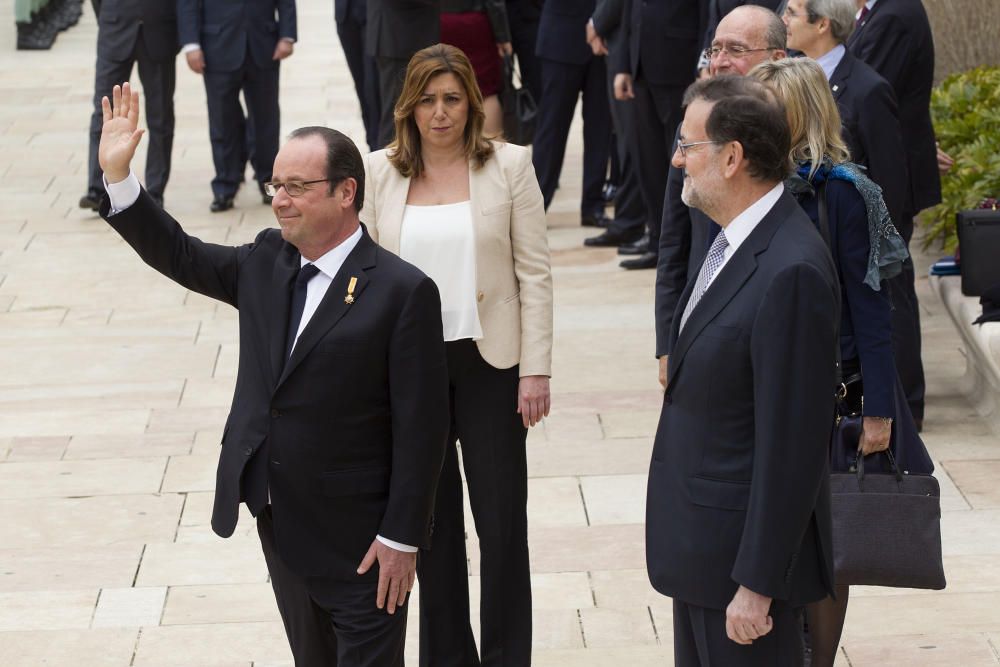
396	30
663	39
336	434
718	9
738	487
523	17
569	70
745	37
238	45
351	17
605	36
867	104
129	32
894	37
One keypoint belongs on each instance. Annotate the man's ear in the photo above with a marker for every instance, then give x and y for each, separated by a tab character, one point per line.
348	190
779	54
734	158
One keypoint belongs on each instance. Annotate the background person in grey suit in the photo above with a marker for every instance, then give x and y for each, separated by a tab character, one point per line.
129	32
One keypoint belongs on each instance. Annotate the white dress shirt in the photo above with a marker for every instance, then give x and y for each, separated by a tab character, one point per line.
829	60
125	193
742	225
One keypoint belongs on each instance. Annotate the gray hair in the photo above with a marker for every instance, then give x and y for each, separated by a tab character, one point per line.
840	13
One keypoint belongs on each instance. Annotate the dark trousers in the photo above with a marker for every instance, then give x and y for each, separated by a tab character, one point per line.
906	340
229	129
332	623
562	85
365	74
630	212
657	115
523	17
700	640
391	72
158	79
483	419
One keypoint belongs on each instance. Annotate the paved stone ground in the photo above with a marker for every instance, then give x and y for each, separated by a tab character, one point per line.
114	385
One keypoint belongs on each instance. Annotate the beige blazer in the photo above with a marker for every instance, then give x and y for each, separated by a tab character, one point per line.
513	279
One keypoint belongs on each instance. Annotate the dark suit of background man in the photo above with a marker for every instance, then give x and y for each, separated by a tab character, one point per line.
664	38
128	32
630	212
738	500
339	419
894	37
351	17
570	69
238	45
396	30
523	17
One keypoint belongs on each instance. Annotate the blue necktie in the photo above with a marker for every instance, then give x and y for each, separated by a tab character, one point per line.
306	273
713	260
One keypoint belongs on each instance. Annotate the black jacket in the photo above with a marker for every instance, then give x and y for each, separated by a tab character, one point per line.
562	32
119	23
354	424
227	30
399	28
664	38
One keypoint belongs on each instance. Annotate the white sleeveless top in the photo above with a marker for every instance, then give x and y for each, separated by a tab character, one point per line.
440	241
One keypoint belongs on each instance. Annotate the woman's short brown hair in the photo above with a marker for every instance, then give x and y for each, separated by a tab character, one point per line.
404	151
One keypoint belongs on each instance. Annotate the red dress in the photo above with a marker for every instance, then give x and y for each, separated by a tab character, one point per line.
471	32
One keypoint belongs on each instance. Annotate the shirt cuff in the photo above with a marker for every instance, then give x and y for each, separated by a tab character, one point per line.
290	40
193	46
396	545
124	193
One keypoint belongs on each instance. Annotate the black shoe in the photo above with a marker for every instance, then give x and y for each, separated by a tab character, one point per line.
637	248
610	239
595	219
647	260
266	198
91	201
220	204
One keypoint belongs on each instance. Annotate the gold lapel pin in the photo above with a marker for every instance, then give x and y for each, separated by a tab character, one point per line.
349	299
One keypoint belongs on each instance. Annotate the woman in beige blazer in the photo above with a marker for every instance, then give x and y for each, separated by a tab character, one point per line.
468	212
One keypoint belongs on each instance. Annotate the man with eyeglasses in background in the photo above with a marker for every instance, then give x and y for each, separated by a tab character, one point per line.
340	415
746	36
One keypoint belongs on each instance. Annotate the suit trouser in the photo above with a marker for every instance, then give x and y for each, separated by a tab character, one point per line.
657	115
332	623
630	214
906	338
365	75
523	18
561	86
483	418
700	640
158	79
228	128
391	72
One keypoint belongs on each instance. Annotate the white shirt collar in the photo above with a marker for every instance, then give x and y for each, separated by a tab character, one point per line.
331	261
829	60
742	225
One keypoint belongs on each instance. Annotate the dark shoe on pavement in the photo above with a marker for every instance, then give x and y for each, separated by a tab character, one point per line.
91	201
647	260
595	219
610	239
220	204
266	198
636	248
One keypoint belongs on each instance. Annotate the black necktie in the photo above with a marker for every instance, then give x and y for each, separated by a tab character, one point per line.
862	16
306	273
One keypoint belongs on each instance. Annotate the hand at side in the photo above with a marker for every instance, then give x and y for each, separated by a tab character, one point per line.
397	570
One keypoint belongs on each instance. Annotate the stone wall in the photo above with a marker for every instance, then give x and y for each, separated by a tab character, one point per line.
965	34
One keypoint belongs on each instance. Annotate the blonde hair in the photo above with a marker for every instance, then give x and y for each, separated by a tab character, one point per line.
812	112
404	152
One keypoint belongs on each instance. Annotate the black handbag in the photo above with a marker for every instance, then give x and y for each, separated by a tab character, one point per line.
979	241
847	423
519	108
886	528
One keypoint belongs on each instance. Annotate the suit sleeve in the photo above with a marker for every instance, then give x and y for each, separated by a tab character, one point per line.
607	16
287	20
188	22
672	264
418	391
886	49
793	361
206	268
496	10
621	59
882	136
530	246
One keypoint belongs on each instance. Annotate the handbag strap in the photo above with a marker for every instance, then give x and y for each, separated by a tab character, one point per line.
859	464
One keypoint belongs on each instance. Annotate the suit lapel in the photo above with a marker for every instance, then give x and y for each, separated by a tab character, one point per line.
390	222
334	305
280	299
838	82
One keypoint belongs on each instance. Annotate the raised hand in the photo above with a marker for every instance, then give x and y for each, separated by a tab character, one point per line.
120	134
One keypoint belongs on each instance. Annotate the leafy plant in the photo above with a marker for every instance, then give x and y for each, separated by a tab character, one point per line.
966	113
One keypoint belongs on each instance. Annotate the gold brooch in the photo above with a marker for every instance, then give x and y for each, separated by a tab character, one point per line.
349	299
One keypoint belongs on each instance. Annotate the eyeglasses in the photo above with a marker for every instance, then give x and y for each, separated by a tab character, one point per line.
292	188
683	148
734	51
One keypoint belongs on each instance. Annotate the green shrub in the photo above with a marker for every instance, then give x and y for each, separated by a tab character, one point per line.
966	113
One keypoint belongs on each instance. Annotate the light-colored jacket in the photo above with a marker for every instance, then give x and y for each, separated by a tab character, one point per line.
513	278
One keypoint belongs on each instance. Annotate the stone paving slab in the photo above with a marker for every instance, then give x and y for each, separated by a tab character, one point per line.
115	384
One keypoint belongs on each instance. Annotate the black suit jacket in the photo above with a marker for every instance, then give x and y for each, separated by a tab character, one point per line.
738	485
399	28
119	23
895	39
664	39
354	423
871	128
562	31
227	29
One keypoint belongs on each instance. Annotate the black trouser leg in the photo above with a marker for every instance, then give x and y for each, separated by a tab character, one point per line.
658	112
596	135
523	18
158	82
906	337
107	75
629	210
391	72
561	84
362	66
700	640
260	90
226	129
